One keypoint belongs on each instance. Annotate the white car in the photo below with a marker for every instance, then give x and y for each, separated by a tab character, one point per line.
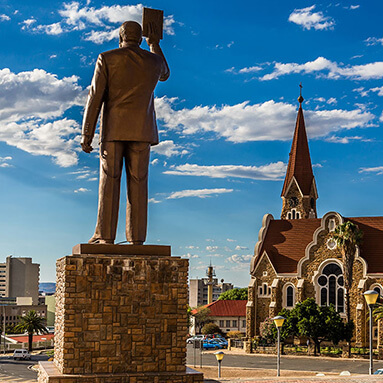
195	337
21	354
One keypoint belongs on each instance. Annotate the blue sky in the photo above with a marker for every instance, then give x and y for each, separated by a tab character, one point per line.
226	118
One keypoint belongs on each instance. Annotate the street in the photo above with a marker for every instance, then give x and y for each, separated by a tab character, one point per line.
299	363
18	370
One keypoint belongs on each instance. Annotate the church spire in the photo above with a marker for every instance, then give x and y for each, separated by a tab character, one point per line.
299	190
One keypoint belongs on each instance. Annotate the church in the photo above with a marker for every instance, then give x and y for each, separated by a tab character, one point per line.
295	257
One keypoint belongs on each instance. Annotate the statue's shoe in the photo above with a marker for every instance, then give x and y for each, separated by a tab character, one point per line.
99	241
136	242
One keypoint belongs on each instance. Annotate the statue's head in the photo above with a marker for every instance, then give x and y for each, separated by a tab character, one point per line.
130	31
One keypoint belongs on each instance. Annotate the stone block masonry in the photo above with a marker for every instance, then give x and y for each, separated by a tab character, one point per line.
120	318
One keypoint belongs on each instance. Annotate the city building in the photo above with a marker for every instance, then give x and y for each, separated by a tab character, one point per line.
227	314
206	290
19	277
296	258
12	308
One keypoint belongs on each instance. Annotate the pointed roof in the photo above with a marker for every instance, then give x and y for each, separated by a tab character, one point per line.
299	159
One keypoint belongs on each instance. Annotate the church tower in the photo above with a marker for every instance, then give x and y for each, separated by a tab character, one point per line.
299	193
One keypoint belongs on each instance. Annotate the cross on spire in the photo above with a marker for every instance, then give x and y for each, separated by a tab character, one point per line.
300	98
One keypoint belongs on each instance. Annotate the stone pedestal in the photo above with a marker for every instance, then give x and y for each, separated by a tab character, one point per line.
120	317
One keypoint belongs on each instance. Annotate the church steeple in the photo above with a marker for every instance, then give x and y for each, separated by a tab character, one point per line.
299	192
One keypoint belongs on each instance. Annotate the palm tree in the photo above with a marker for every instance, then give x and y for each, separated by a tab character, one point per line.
347	237
31	323
378	311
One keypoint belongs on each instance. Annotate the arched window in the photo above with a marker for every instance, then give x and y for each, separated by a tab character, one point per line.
288	295
331	287
379	290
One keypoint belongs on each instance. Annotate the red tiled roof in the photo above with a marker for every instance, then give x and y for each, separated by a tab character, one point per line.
226	308
299	159
286	241
36	338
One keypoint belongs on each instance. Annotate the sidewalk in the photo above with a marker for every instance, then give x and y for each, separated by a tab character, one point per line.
247	375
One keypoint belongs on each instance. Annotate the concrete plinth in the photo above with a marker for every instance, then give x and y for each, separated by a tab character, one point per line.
48	373
120	317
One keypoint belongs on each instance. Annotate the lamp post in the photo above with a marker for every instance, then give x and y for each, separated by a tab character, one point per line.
219	355
278	321
371	297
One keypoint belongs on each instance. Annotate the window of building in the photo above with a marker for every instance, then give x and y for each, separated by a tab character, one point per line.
221	323
379	290
331	225
227	323
264	290
290	296
331	287
235	323
244	323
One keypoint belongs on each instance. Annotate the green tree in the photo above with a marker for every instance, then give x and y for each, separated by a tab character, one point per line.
378	311
234	295
201	317
319	323
211	328
31	323
347	237
269	332
188	313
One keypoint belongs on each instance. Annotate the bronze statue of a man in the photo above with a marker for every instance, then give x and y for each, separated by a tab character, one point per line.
122	87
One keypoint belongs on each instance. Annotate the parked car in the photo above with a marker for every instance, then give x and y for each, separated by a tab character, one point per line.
195	337
21	354
211	344
379	371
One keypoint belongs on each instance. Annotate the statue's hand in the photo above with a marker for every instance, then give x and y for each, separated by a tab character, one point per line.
153	38
86	144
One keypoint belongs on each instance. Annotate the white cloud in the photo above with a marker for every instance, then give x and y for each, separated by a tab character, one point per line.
4	17
317	166
241	248
308	19
374	41
82	190
191	247
169	148
155	162
377	169
271	172
378	90
331	101
268	121
50	29
251	69
28	22
345	140
4	162
211	248
190	256
381	117
85	174
352	7
329	69
107	18
231	240
239	258
200	193
27	101
153	200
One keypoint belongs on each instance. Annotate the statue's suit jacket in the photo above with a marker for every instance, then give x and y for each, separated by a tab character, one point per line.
122	86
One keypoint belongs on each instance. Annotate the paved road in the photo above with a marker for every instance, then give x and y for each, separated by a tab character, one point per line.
19	370
356	366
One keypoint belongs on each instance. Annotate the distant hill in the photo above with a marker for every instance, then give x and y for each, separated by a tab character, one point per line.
47	287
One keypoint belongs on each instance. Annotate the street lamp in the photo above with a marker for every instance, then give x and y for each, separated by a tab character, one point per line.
371	297
278	321
219	355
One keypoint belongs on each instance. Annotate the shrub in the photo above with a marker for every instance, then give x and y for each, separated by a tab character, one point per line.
234	334
211	328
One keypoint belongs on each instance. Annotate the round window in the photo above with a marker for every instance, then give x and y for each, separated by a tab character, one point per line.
331	244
